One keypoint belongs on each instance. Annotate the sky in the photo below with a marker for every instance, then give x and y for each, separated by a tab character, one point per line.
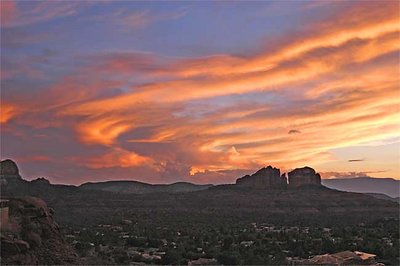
205	92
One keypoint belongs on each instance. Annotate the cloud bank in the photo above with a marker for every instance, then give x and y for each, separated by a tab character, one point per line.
157	118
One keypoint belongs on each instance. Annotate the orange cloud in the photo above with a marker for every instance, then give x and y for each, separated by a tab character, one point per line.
103	130
7	112
309	66
34	158
117	157
307	147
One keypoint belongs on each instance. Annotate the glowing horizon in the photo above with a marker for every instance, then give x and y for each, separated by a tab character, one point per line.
201	92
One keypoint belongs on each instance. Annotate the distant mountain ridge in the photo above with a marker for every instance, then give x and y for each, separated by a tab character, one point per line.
306	201
261	179
387	186
126	186
383	196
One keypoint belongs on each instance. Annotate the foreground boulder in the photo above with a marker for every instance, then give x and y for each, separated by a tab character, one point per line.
303	176
31	235
266	178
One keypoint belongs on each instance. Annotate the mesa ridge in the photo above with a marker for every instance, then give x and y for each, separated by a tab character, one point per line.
270	178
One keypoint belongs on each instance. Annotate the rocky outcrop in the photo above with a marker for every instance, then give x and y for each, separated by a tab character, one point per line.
266	178
41	181
9	170
270	178
303	176
32	236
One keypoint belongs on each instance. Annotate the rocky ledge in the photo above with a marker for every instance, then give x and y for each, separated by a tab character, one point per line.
29	235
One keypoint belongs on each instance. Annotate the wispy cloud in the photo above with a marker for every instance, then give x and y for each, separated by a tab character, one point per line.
21	13
8	111
138	18
356	160
342	175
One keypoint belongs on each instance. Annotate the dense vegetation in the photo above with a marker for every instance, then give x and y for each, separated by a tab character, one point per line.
231	243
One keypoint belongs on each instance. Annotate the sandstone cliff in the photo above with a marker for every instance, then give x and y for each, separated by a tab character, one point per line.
268	177
303	176
31	236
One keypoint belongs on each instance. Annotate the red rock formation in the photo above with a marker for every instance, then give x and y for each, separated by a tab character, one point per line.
268	177
303	176
9	169
32	236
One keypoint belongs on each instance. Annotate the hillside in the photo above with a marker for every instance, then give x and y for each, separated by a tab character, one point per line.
104	226
387	186
308	204
141	188
384	197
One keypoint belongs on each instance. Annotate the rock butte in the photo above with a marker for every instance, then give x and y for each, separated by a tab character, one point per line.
303	176
270	178
9	172
9	169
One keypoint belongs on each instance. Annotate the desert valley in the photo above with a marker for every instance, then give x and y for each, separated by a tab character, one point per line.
265	218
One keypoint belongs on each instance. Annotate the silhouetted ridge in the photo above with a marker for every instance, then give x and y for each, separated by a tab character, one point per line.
387	186
270	178
127	186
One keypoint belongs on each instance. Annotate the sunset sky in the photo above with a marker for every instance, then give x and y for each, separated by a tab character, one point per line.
203	92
